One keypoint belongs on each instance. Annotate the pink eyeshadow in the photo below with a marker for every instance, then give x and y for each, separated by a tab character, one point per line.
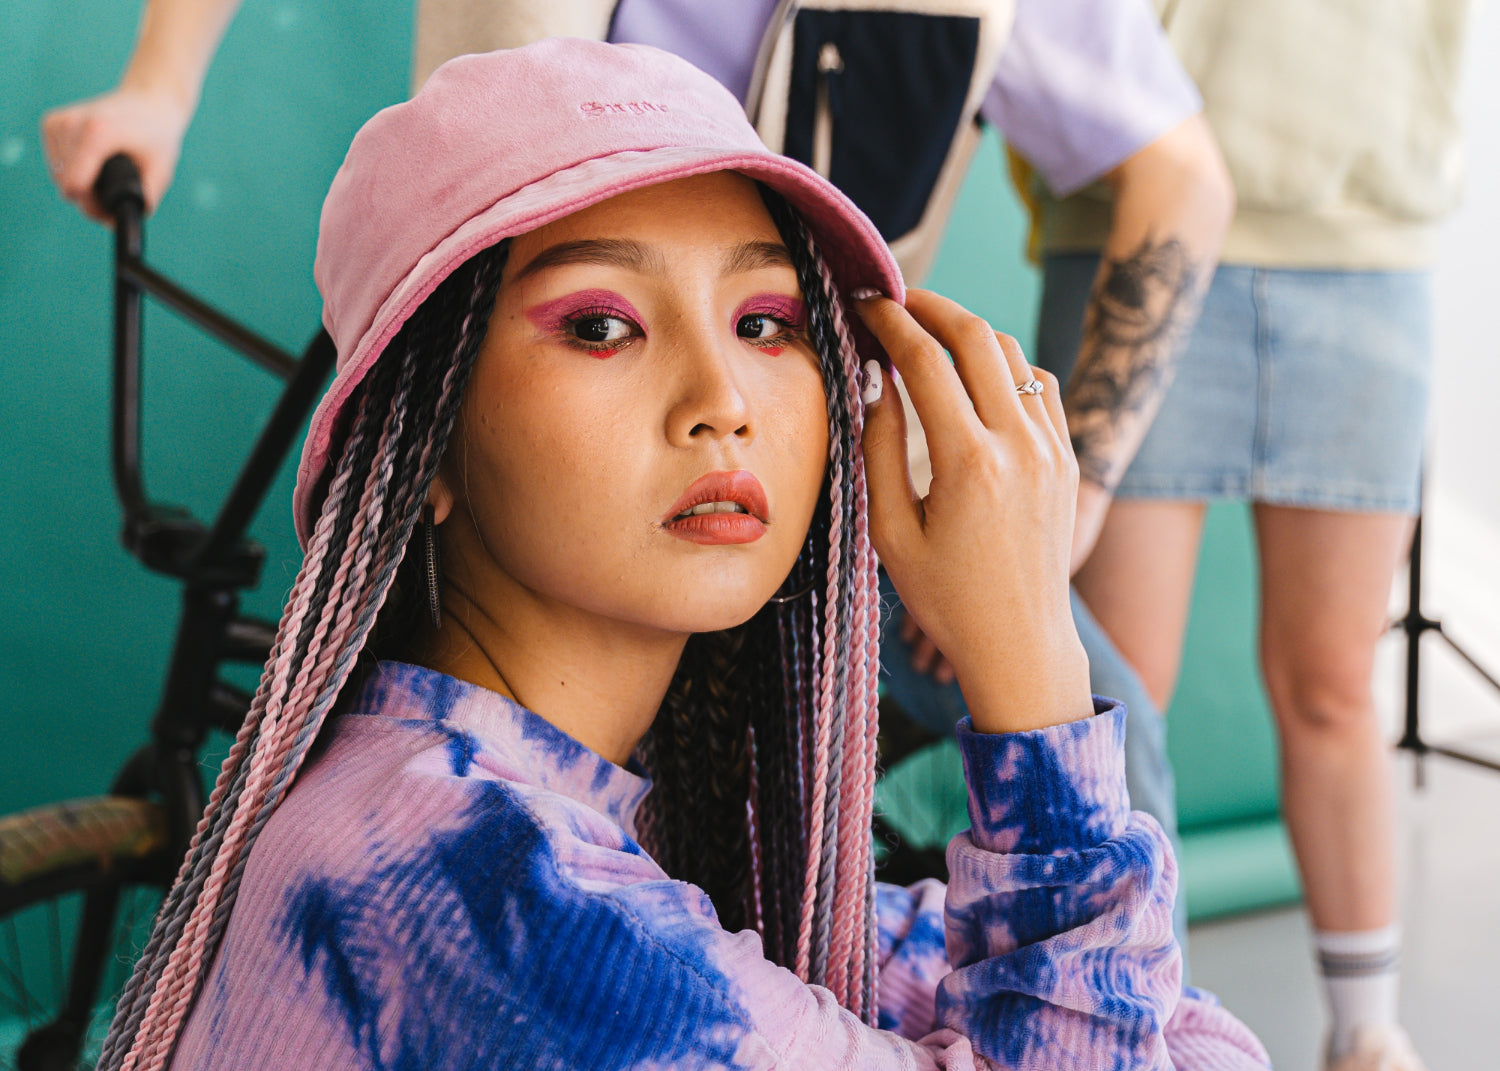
553	315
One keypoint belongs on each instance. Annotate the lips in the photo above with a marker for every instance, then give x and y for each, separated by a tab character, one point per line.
720	508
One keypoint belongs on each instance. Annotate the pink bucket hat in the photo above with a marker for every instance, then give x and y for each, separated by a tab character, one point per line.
496	145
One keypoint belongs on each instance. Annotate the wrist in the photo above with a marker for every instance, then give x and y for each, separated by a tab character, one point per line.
168	90
1030	686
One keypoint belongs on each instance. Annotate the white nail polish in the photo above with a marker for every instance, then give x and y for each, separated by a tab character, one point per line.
864	293
874	383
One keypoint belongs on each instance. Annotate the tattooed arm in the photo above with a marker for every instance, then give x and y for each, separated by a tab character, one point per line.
1172	204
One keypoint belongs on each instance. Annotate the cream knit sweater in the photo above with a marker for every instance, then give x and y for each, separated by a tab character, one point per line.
1339	120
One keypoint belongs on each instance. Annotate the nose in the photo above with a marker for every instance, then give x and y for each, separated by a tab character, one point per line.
708	396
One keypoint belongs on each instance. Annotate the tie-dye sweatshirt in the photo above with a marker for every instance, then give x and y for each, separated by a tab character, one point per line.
454	884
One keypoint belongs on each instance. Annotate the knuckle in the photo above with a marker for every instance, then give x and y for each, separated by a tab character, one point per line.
984	465
974	333
927	354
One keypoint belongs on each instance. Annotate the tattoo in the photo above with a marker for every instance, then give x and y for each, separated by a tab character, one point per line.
1137	320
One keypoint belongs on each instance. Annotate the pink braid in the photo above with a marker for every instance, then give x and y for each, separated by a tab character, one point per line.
274	757
145	1043
829	720
174	987
856	801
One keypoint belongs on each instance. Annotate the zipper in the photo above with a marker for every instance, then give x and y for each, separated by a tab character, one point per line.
830	63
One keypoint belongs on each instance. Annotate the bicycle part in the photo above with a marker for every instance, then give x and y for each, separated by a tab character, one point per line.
914	800
167	539
95	868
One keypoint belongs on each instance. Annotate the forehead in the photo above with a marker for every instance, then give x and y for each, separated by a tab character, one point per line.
706	213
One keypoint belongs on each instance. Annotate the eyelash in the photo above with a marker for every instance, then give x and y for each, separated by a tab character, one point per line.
605	348
791	330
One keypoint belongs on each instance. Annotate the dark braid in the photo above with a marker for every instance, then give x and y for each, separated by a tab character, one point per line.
702	750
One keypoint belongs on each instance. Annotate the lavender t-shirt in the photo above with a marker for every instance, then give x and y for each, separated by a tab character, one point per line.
1081	85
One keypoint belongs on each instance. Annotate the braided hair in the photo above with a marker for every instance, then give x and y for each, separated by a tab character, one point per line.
775	826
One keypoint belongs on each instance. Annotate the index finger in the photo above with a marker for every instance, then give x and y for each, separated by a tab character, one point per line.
933	384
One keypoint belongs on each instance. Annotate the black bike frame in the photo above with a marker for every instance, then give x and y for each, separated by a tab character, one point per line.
215	562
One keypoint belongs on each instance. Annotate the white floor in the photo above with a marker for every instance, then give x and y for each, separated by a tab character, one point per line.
1261	966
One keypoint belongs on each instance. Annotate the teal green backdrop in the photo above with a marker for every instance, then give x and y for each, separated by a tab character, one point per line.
84	632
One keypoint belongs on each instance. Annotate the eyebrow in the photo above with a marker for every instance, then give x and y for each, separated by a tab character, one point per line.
639	257
751	256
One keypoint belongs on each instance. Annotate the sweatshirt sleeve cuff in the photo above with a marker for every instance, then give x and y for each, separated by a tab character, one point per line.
1048	791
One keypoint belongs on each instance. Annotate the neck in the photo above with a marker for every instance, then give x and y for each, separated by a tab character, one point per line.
601	683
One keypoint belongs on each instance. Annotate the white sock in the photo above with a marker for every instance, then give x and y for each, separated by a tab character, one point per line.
1361	973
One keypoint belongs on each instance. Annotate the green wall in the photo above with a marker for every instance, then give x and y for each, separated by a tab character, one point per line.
84	632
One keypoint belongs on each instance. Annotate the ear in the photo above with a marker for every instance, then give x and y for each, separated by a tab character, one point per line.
440	497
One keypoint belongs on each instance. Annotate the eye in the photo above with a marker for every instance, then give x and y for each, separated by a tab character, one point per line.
759	326
600	328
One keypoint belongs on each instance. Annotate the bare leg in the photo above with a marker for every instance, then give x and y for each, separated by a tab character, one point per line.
1139	584
1325	582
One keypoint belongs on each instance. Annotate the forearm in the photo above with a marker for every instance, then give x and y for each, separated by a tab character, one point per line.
1173	203
175	44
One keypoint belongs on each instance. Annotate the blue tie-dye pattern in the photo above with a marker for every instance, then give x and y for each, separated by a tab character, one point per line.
1050	811
505	918
1006	1007
1045	895
324	925
461	749
1006	980
434	694
487	931
558	745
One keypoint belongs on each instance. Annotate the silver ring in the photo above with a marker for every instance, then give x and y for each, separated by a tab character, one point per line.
1031	386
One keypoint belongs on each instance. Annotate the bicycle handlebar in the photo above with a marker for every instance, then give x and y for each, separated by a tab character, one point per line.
165	538
118	187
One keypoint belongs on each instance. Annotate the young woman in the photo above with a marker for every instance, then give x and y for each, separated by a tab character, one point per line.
587	502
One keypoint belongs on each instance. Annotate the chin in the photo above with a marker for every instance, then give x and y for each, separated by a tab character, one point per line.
715	616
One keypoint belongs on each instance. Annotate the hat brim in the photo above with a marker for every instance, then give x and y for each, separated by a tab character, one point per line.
853	248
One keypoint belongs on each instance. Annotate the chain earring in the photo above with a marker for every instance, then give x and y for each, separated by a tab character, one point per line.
433	567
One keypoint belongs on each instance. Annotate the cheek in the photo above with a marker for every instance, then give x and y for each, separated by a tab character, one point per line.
805	429
552	456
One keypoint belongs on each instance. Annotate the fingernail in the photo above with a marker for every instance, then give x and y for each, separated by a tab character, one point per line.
874	383
864	293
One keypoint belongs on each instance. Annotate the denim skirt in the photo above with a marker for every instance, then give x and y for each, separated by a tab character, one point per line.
1297	388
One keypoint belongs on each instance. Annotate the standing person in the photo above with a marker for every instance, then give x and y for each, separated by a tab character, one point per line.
1304	391
596	494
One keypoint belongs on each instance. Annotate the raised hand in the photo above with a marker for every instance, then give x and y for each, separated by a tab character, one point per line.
981	563
146	126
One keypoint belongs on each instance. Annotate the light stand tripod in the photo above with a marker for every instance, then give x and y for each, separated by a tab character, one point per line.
1414	624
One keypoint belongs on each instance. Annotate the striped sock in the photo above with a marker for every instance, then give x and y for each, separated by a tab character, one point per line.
1361	973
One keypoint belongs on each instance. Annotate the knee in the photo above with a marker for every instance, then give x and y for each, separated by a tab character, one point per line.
1323	693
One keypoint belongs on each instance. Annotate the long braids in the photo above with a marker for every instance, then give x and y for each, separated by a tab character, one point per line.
781	711
404	413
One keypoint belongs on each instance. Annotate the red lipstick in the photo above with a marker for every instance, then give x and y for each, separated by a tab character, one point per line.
718	509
